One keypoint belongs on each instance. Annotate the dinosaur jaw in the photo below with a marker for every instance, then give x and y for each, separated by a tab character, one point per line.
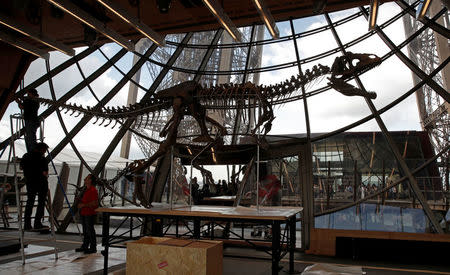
345	67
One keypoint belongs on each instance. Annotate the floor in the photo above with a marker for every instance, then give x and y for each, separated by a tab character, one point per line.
40	259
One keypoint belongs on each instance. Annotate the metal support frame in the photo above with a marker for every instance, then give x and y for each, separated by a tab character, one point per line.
408	62
86	18
197	77
433	25
208	54
281	241
75	149
149	93
386	134
75	130
42	80
15	135
16	122
307	185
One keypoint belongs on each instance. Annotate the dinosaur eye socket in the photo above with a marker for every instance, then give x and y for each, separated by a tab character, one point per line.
355	62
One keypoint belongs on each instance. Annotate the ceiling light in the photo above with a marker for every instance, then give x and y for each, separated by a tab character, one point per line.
163	5
423	8
125	16
52	43
223	18
213	155
374	4
267	18
92	22
23	46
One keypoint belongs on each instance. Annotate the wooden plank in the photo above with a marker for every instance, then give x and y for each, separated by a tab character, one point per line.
323	241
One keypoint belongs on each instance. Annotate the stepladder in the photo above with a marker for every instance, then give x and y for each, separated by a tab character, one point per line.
17	133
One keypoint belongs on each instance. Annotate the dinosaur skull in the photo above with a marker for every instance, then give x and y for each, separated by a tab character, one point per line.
346	66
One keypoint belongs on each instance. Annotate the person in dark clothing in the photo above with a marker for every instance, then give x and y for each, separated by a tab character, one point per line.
35	169
88	204
30	109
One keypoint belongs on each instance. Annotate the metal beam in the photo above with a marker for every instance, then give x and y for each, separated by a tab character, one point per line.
41	80
46	77
98	168
132	96
267	18
40	37
133	21
11	40
433	25
225	21
92	22
408	62
386	134
98	106
208	54
307	187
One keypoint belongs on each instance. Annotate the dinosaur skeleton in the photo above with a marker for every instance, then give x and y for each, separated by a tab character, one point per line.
190	98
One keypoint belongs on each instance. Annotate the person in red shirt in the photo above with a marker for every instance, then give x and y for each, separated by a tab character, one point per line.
88	204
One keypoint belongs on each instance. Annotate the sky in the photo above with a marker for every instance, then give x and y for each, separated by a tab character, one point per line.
327	111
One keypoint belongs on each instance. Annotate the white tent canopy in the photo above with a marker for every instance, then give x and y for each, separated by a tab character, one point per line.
68	155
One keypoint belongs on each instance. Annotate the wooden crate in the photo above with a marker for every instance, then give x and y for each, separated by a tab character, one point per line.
152	255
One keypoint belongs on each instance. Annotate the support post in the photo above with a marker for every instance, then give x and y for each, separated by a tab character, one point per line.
105	241
383	181
305	174
328	185
276	231
292	241
355	179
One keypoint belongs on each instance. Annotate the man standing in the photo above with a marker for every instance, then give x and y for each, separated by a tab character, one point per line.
30	109
88	204
35	170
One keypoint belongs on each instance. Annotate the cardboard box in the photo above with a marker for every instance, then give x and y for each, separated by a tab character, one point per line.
152	255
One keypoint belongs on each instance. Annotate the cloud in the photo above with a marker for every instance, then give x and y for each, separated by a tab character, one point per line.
331	110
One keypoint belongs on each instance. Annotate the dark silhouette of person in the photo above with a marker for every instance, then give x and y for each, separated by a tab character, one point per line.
30	109
195	191
35	170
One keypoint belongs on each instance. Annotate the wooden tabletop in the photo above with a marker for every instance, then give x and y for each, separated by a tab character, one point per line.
251	213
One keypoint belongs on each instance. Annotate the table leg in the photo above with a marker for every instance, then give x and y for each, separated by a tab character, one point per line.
292	241
105	241
276	231
131	227
196	229
157	229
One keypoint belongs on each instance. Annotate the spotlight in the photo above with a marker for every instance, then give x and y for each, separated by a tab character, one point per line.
163	5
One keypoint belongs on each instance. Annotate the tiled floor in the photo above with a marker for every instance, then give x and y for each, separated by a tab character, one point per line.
235	261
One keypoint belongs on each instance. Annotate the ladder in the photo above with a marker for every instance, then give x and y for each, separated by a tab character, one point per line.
17	123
